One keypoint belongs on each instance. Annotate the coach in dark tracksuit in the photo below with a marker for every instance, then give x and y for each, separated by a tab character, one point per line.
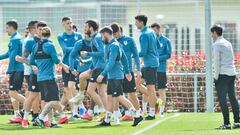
224	76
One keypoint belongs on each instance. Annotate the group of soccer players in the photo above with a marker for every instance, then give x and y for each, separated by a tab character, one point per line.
98	63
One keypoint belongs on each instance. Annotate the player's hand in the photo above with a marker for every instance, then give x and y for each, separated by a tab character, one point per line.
89	71
74	72
100	78
35	69
139	74
83	53
19	58
129	77
65	68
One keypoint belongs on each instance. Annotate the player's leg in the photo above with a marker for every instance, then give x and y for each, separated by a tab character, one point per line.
233	101
162	87
150	76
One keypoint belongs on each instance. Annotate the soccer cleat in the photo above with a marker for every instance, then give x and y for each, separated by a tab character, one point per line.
224	127
137	121
104	124
77	99
25	123
162	115
63	120
150	117
54	125
39	122
127	118
47	124
16	120
75	117
87	116
236	125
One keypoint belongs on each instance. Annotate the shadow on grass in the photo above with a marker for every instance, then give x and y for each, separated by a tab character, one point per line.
15	127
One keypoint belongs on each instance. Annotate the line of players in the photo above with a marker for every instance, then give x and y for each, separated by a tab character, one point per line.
100	64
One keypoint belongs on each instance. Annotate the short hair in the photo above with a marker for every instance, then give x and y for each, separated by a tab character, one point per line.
121	29
107	29
46	32
93	24
32	24
41	24
12	23
142	18
115	27
66	18
155	25
218	29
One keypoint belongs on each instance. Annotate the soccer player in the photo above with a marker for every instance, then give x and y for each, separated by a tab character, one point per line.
224	76
164	51
97	66
33	98
44	57
67	40
115	61
83	64
15	69
149	54
129	47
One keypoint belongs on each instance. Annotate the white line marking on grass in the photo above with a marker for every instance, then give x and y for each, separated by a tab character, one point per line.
155	124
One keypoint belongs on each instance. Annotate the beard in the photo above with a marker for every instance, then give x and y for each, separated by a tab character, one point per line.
88	33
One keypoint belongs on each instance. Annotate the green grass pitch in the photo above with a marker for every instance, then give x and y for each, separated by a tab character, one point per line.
171	124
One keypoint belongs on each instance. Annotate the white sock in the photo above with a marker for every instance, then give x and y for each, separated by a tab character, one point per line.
144	106
62	115
127	113
133	112
152	112
119	113
25	117
41	117
108	117
90	112
116	116
74	109
162	108
16	113
63	106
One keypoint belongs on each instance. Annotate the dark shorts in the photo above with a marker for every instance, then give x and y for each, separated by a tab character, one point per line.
161	80
115	87
129	86
16	80
67	77
50	90
95	74
33	84
149	74
27	79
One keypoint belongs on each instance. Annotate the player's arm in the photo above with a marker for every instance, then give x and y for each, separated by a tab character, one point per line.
100	48
135	55
144	45
111	61
63	45
168	51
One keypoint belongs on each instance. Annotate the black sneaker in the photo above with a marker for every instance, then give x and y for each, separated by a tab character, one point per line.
236	125
104	124
39	122
224	127
150	117
21	113
55	125
137	121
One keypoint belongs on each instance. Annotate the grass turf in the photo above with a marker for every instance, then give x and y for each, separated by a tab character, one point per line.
184	124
